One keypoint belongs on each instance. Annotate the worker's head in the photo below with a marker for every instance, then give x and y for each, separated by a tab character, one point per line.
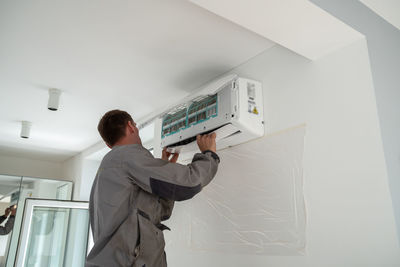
117	127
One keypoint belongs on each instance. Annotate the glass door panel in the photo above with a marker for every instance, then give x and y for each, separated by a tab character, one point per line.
9	193
53	233
30	187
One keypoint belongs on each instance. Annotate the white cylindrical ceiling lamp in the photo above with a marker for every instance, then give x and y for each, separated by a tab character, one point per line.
25	129
54	99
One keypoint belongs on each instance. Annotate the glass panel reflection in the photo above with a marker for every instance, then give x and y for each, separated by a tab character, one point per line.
9	194
57	238
13	191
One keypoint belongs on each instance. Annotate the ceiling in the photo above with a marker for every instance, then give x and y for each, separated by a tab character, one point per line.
387	9
138	56
297	25
132	55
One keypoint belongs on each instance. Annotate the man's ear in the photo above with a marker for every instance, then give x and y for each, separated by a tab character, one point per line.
131	127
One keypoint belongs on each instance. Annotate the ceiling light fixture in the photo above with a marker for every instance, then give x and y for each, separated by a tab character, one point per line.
25	129
54	99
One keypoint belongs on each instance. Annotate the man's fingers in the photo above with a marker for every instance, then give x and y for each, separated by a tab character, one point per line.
165	154
174	157
206	142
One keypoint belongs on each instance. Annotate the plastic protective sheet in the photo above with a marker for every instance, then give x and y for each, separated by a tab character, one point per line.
255	204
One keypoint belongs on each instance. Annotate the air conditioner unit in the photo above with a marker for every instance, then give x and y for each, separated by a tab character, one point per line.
234	111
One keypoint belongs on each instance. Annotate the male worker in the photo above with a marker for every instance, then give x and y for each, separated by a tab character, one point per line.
6	229
133	192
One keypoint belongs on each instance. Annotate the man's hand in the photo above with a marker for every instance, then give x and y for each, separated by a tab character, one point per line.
6	212
13	211
207	142
166	155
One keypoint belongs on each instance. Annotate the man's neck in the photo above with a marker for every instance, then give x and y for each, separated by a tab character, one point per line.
126	141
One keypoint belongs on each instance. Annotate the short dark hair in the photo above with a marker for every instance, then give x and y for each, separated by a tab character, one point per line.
112	125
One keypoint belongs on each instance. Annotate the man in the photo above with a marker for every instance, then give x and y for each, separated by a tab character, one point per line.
133	192
6	229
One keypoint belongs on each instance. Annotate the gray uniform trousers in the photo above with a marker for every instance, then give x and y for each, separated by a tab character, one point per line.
133	192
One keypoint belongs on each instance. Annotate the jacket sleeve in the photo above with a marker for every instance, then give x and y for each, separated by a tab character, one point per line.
8	227
2	219
172	181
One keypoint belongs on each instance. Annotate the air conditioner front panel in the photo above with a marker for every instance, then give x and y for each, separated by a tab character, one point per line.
235	112
251	112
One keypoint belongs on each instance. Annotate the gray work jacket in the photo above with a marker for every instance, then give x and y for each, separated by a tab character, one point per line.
131	194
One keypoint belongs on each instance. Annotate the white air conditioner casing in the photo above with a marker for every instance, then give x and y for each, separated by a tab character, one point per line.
234	111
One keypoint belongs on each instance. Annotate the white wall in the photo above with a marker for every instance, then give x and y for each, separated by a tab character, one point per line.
350	219
89	171
82	172
72	170
383	46
19	166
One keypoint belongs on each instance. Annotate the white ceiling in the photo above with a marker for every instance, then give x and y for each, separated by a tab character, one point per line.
137	56
131	55
387	9
298	25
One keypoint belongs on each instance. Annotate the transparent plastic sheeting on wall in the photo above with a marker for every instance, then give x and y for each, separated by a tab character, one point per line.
255	203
